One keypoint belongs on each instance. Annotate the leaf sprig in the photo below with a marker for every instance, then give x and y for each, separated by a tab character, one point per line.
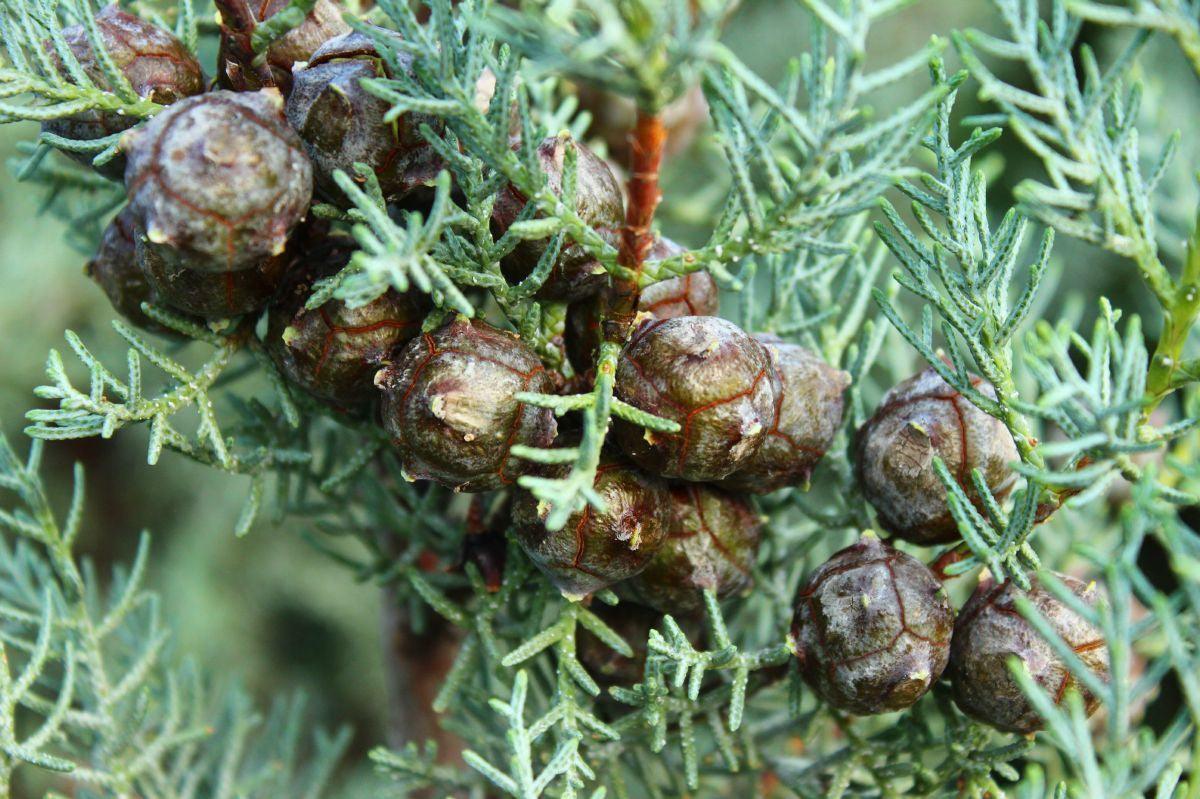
112	711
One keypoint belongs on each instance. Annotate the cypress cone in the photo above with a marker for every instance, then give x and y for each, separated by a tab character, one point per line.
872	629
808	413
333	351
991	632
217	182
451	410
597	548
712	543
918	419
709	376
157	65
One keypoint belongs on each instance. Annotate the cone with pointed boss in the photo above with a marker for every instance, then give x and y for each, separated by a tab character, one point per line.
711	544
334	350
450	406
218	182
575	273
598	547
342	124
992	637
712	379
872	628
918	420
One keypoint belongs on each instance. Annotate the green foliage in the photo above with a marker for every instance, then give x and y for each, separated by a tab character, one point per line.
1121	758
83	200
114	712
1178	18
810	219
279	23
393	256
647	51
1084	132
966	276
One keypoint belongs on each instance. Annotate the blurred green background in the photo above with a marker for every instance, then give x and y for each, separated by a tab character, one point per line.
268	609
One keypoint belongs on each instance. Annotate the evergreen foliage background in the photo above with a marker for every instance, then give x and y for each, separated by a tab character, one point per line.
277	616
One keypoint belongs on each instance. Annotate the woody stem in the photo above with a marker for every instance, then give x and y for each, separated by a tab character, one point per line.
415	664
237	27
646	146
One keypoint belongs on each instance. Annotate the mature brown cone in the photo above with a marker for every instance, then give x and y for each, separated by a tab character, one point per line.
693	294
211	295
596	549
342	123
712	543
709	376
334	351
916	420
115	269
808	413
575	274
991	631
321	24
157	65
451	410
872	628
218	182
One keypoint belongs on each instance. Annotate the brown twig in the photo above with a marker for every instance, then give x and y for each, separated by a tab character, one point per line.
484	544
415	664
948	559
236	52
1058	496
646	151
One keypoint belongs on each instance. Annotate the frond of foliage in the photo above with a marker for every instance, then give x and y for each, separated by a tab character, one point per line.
89	689
869	237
